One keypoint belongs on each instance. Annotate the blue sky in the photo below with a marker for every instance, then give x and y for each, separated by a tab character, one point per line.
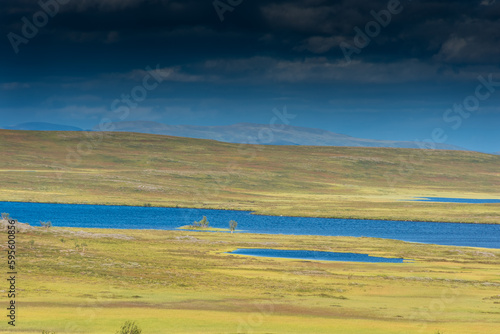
263	55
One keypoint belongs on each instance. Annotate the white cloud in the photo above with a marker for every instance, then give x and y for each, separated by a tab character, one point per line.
481	48
80	112
300	18
81	99
265	70
487	2
106	5
452	48
320	69
14	85
318	44
174	73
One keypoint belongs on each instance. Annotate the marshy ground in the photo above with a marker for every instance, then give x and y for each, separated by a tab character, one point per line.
92	280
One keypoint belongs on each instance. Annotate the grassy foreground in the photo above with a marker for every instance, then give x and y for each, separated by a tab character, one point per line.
342	182
92	280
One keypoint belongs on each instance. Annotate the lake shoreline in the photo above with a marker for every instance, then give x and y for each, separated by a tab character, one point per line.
161	218
256	213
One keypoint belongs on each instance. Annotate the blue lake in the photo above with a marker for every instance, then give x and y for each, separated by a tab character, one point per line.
313	255
457	200
130	217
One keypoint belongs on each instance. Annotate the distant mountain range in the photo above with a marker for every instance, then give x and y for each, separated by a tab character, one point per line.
42	126
248	133
251	133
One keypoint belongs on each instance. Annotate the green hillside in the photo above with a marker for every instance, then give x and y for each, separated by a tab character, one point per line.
93	280
344	182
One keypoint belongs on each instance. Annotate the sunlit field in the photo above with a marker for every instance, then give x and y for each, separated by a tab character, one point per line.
339	182
91	281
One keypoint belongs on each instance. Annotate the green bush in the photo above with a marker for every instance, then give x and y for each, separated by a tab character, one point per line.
46	224
232	225
129	327
202	223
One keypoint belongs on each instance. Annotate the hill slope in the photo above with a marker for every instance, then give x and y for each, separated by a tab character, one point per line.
139	169
250	133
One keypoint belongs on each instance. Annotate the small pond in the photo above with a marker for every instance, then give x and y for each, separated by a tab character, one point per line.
314	255
457	200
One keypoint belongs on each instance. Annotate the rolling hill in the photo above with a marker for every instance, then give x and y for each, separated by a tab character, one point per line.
343	182
250	133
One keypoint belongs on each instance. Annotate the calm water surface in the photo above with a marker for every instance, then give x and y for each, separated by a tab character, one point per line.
130	217
313	255
456	200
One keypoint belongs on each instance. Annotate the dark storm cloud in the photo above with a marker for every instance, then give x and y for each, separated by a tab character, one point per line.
93	50
125	33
